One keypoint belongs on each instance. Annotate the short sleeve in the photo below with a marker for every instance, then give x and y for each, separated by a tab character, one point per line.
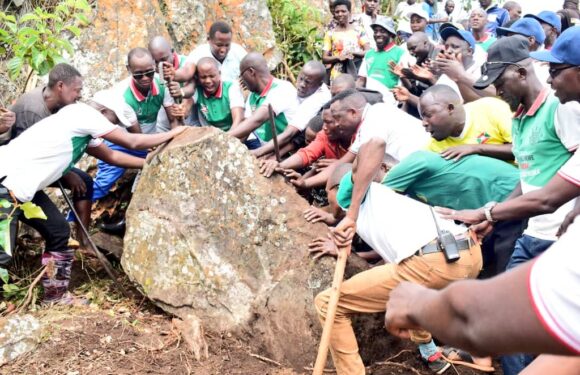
96	142
248	108
327	42
195	55
571	170
344	193
130	114
236	96
168	100
554	285
411	169
566	123
309	108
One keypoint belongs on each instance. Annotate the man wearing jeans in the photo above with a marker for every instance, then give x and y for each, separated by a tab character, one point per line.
404	232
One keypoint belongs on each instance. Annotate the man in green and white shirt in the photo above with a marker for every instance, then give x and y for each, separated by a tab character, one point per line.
43	154
219	103
145	96
375	72
265	90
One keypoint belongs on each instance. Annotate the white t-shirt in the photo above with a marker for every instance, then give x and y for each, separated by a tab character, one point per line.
283	97
45	151
474	72
571	170
366	22
310	106
402	133
396	226
229	68
554	285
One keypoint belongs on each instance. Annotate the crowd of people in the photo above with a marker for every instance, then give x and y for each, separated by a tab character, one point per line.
437	148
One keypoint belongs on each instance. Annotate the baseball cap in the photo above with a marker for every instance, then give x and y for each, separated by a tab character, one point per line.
526	27
386	23
107	98
549	17
418	10
503	53
462	34
564	51
453	25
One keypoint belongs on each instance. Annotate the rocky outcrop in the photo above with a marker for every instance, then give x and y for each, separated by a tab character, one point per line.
119	26
209	236
18	335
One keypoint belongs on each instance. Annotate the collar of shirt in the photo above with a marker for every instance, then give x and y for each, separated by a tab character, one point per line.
154	91
389	46
267	88
217	94
541	99
485	38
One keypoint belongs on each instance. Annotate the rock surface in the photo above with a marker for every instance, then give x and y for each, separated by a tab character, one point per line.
207	235
118	26
18	335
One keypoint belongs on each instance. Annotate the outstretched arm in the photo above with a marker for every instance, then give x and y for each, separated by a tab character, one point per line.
250	124
484	317
120	159
141	141
283	138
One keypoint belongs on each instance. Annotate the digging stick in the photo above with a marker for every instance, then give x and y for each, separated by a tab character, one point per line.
274	133
168	82
104	261
331	310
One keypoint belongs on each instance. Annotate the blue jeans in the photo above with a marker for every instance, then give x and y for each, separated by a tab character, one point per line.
108	174
526	248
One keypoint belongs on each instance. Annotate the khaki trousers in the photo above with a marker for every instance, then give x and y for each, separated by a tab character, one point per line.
368	292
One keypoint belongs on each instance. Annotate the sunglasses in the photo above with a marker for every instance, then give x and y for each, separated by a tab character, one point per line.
148	74
554	72
486	66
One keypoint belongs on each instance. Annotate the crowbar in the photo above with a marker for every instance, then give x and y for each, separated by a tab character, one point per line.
104	261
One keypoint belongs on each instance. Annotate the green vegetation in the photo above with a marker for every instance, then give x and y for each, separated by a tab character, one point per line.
298	27
39	39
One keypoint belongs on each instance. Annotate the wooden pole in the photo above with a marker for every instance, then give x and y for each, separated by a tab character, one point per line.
331	311
274	133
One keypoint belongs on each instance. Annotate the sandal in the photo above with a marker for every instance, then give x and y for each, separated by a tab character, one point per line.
463	358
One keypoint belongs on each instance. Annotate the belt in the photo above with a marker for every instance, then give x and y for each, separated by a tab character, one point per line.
433	246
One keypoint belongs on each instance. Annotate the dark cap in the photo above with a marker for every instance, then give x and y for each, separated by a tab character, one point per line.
507	50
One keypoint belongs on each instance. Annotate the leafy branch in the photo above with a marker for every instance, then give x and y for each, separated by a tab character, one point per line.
39	39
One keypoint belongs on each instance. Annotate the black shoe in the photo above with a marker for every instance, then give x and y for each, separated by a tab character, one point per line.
114	228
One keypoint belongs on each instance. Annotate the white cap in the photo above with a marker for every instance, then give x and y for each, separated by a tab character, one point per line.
418	10
114	102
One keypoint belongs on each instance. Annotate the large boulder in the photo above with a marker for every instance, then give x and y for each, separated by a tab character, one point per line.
208	236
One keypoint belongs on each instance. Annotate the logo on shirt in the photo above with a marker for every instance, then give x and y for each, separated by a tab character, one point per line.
204	109
483	138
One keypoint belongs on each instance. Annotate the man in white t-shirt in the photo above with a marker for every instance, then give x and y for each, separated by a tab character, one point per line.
404	232
312	94
264	90
220	47
41	155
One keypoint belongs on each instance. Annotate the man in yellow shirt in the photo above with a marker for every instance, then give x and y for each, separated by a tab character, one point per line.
481	127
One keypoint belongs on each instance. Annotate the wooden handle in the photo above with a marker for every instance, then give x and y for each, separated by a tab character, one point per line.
331	311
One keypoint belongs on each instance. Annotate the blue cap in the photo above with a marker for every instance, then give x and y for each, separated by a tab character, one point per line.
462	34
564	51
526	27
548	17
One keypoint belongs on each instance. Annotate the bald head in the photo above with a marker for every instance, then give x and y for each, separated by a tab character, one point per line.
442	94
342	83
208	62
137	54
256	61
160	50
337	174
310	78
419	45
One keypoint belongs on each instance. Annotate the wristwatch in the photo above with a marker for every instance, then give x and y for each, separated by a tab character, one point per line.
487	210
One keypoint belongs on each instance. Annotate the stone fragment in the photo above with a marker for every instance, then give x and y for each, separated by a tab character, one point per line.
19	334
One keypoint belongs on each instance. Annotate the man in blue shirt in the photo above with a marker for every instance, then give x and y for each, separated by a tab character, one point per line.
496	16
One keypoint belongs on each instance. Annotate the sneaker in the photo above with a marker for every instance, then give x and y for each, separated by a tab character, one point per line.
67	299
437	363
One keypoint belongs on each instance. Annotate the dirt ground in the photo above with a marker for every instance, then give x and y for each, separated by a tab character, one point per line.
116	334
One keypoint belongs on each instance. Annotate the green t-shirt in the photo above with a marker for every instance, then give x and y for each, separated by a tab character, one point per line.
376	65
216	108
468	183
146	108
487	42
